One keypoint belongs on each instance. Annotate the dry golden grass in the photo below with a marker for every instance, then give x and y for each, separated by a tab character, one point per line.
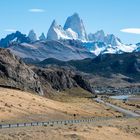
133	105
19	106
128	129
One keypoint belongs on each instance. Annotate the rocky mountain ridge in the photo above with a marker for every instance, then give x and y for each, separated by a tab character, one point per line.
14	73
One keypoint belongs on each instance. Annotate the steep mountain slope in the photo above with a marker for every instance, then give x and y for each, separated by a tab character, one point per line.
75	23
127	63
62	78
32	36
56	32
108	73
42	37
41	50
73	29
16	74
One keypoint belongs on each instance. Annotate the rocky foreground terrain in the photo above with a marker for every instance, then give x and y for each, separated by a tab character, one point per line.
14	73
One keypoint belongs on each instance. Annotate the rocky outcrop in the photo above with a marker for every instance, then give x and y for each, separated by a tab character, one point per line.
62	78
83	83
16	74
59	79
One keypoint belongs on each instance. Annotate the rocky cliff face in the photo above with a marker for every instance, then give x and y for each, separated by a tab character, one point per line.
62	78
75	23
16	74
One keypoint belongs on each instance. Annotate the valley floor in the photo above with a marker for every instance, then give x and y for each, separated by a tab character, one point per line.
18	106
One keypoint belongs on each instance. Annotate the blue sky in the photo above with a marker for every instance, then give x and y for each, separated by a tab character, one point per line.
109	15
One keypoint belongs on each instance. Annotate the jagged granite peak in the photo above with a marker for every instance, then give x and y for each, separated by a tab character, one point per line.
99	36
108	39
56	32
32	36
112	40
76	24
16	37
42	37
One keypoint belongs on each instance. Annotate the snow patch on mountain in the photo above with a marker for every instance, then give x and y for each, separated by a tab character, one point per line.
56	32
71	34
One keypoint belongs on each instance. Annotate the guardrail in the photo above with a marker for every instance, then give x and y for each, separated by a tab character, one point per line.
63	122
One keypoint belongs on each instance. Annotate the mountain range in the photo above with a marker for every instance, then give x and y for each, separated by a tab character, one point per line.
70	42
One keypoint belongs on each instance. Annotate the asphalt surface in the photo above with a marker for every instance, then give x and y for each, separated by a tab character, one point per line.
122	110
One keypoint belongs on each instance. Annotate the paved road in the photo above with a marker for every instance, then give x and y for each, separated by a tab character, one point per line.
122	110
128	113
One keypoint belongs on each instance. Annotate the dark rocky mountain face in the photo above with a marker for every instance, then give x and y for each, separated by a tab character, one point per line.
16	37
62	78
16	74
109	73
127	64
58	78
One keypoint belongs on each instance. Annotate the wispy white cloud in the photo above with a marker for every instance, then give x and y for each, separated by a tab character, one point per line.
10	30
36	10
131	30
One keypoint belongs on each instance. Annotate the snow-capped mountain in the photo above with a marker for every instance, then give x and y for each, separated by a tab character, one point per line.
56	32
99	36
110	44
16	37
76	24
41	50
71	34
112	40
70	42
32	36
73	29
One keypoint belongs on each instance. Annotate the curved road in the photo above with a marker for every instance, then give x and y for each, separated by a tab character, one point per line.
128	113
122	110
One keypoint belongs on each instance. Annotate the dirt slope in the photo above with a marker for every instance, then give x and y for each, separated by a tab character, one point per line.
19	106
